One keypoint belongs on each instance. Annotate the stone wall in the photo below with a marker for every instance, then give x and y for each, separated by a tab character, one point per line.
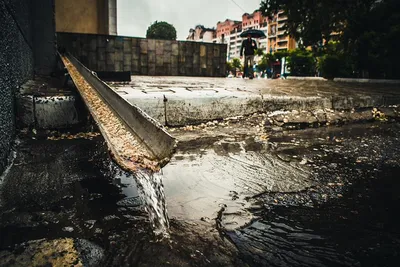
27	46
16	65
146	56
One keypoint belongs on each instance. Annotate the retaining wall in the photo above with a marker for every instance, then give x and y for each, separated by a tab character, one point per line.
145	56
27	46
16	65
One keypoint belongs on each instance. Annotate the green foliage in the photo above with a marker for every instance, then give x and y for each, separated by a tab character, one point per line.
366	31
229	66
236	63
301	62
161	30
334	63
259	52
263	64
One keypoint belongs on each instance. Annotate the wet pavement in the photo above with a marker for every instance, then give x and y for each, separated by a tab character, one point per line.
235	196
178	101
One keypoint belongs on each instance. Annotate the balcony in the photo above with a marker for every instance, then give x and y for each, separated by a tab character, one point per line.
282	18
281	33
281	40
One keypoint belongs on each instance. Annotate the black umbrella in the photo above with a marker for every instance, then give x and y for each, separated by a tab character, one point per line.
253	33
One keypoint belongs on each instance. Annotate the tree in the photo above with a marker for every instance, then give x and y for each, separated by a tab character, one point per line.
301	62
365	30
161	30
234	65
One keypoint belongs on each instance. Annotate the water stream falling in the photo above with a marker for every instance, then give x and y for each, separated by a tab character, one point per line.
149	188
152	194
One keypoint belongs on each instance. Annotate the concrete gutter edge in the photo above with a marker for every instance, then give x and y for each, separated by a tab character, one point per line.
355	80
148	130
348	80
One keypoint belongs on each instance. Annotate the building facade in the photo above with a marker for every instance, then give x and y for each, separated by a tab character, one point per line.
86	16
277	39
228	32
201	34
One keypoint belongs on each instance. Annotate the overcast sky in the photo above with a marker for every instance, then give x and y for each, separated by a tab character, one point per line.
135	16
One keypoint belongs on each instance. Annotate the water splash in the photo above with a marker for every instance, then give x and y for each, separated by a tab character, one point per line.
152	194
150	189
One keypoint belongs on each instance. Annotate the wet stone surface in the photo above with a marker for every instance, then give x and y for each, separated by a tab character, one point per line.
236	194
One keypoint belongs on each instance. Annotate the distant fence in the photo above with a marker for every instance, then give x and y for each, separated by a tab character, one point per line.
146	56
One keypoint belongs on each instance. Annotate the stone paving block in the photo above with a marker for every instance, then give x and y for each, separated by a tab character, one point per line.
151	44
181	70
92	57
174	61
101	65
110	67
101	53
167	58
143	61
189	49
110	58
159	61
189	61
127	45
110	45
119	42
144	71
135	53
101	41
175	49
119	66
160	71
216	51
159	48
215	62
167	69
196	59
197	49
168	46
152	69
143	46
203	50
119	55
152	58
174	71
203	62
196	71
135	65
127	59
135	42
93	44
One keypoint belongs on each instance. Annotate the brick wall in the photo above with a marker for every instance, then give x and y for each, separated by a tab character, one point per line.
146	56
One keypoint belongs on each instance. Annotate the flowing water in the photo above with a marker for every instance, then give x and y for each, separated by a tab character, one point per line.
152	193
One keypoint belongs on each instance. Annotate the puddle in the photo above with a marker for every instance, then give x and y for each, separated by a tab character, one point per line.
201	181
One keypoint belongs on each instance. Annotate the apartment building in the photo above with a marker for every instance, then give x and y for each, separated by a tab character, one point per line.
277	39
228	32
201	34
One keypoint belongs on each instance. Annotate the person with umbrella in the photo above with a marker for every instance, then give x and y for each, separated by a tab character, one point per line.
249	46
